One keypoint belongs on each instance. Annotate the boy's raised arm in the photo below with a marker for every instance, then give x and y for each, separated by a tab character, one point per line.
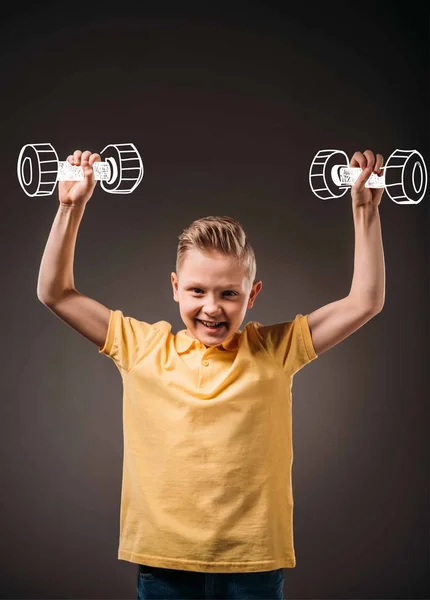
56	287
334	322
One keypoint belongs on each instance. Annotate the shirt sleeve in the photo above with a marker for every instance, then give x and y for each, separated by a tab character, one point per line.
289	343
127	339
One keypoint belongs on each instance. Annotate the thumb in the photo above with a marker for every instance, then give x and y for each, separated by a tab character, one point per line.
86	168
362	179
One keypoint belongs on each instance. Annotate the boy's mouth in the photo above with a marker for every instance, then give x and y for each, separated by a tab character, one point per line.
208	326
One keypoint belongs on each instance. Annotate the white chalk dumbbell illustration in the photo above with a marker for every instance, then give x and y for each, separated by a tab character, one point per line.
404	176
119	172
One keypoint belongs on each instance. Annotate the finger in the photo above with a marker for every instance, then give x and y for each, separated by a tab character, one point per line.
70	159
86	167
355	162
359	160
93	158
370	159
77	157
378	165
85	156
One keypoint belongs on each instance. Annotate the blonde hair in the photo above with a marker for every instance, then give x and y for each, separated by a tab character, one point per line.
223	234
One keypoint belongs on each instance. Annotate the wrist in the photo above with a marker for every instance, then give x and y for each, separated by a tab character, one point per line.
72	208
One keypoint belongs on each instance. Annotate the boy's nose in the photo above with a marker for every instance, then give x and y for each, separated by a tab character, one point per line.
211	310
212	315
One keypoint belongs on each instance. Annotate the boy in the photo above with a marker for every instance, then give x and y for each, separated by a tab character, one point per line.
207	503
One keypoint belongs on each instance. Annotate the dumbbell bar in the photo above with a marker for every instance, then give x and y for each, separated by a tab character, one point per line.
68	172
404	176
39	169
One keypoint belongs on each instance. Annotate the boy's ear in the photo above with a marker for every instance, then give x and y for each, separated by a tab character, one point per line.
174	280
256	288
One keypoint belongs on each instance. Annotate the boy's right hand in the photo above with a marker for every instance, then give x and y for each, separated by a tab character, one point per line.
77	193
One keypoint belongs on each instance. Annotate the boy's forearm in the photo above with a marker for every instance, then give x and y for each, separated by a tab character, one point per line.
56	269
368	282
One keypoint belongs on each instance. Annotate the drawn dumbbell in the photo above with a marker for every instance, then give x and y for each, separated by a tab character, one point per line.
38	168
404	176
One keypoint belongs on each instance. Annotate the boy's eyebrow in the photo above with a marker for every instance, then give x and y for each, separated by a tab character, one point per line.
200	285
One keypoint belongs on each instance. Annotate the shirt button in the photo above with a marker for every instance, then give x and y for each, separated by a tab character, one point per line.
206	363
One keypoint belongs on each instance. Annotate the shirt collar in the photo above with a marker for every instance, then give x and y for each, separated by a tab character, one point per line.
183	342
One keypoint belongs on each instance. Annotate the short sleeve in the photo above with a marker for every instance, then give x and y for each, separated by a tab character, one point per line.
127	339
288	343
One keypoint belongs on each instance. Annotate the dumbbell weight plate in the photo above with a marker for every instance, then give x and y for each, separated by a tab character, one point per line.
321	174
406	177
37	169
126	168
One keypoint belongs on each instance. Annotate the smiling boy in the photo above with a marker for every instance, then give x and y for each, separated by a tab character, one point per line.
207	487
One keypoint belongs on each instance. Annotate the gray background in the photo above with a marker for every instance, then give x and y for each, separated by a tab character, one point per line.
228	106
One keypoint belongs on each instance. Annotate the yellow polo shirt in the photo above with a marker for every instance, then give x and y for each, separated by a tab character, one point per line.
208	448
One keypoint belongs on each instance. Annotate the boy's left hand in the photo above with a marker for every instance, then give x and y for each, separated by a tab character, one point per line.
363	196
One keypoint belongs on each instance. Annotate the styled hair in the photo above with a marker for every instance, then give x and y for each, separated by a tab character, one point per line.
223	234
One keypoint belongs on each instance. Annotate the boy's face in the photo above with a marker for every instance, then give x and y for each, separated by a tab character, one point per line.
212	287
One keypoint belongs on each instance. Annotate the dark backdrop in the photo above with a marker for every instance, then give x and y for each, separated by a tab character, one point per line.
227	105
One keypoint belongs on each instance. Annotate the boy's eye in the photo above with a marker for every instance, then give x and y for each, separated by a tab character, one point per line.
198	291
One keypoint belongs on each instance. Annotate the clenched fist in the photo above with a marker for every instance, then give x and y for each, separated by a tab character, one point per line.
77	193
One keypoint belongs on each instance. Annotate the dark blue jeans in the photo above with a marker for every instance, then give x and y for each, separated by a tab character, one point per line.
155	583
